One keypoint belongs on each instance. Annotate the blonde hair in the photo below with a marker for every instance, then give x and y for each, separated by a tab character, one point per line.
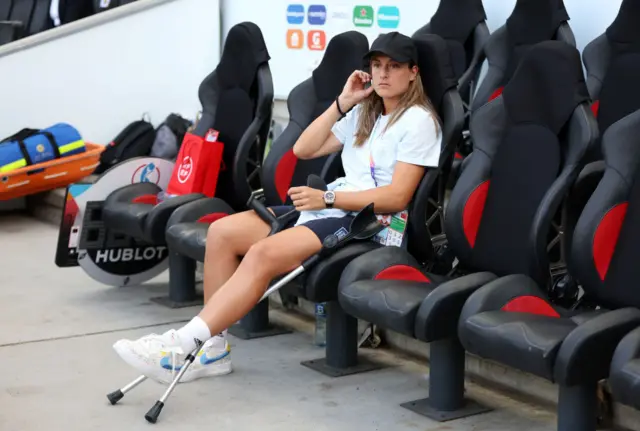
372	107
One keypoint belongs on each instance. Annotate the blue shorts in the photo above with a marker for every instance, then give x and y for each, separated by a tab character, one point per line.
321	227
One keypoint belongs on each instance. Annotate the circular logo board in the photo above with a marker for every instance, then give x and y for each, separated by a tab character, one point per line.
114	259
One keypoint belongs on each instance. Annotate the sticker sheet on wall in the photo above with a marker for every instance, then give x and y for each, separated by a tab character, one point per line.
298	32
312	25
337	19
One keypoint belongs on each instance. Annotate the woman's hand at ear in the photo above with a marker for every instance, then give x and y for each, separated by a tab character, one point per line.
306	198
354	91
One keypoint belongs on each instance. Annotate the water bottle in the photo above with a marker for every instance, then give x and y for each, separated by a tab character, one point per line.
321	324
163	196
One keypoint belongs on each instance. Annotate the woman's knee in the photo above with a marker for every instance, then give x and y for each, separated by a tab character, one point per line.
236	233
262	258
221	234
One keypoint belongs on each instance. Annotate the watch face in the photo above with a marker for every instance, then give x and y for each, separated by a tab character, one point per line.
329	197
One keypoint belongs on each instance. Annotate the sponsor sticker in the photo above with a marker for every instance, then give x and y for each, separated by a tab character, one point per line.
388	17
317	14
295	14
317	40
363	16
295	39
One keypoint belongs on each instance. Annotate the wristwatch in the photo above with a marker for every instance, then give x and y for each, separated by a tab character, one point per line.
329	198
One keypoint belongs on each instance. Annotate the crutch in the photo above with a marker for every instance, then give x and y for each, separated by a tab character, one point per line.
277	224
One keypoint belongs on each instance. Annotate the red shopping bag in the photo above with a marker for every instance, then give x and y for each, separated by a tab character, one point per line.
216	166
197	165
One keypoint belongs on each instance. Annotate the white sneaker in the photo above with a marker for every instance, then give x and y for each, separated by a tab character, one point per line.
214	359
159	357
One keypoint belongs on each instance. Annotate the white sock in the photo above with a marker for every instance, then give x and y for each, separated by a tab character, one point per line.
193	334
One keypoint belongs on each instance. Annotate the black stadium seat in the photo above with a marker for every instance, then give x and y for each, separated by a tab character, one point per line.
8	32
27	17
500	211
306	102
321	283
237	101
188	226
462	24
17	25
612	68
40	18
531	21
612	64
5	9
22	11
612	61
511	320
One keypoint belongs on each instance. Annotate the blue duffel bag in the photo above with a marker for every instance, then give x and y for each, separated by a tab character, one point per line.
31	146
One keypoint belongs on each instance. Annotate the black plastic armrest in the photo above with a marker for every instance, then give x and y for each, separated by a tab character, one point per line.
156	221
586	353
594	169
623	387
322	282
627	349
127	193
240	173
547	210
468	75
580	193
497	293
195	210
437	317
12	23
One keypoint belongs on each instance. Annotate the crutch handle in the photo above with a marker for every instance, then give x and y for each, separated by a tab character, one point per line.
277	223
263	212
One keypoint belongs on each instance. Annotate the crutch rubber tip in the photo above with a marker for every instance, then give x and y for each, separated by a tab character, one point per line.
115	396
154	412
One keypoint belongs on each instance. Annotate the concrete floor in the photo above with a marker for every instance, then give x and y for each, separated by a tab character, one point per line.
58	326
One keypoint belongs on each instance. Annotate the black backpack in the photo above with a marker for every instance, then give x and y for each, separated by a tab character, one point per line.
134	141
169	137
178	125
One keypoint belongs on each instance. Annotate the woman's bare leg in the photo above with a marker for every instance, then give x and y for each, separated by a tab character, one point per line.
263	262
155	355
228	239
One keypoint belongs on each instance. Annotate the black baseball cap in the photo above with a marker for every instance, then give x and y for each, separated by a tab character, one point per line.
394	45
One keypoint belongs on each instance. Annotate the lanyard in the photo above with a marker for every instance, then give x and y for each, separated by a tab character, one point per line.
372	165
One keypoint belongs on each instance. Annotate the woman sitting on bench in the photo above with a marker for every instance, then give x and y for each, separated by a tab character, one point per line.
387	140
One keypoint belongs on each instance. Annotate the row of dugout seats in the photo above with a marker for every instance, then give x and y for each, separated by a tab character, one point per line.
532	139
23	18
533	143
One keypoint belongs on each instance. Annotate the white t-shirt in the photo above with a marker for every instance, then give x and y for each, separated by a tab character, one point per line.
413	138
